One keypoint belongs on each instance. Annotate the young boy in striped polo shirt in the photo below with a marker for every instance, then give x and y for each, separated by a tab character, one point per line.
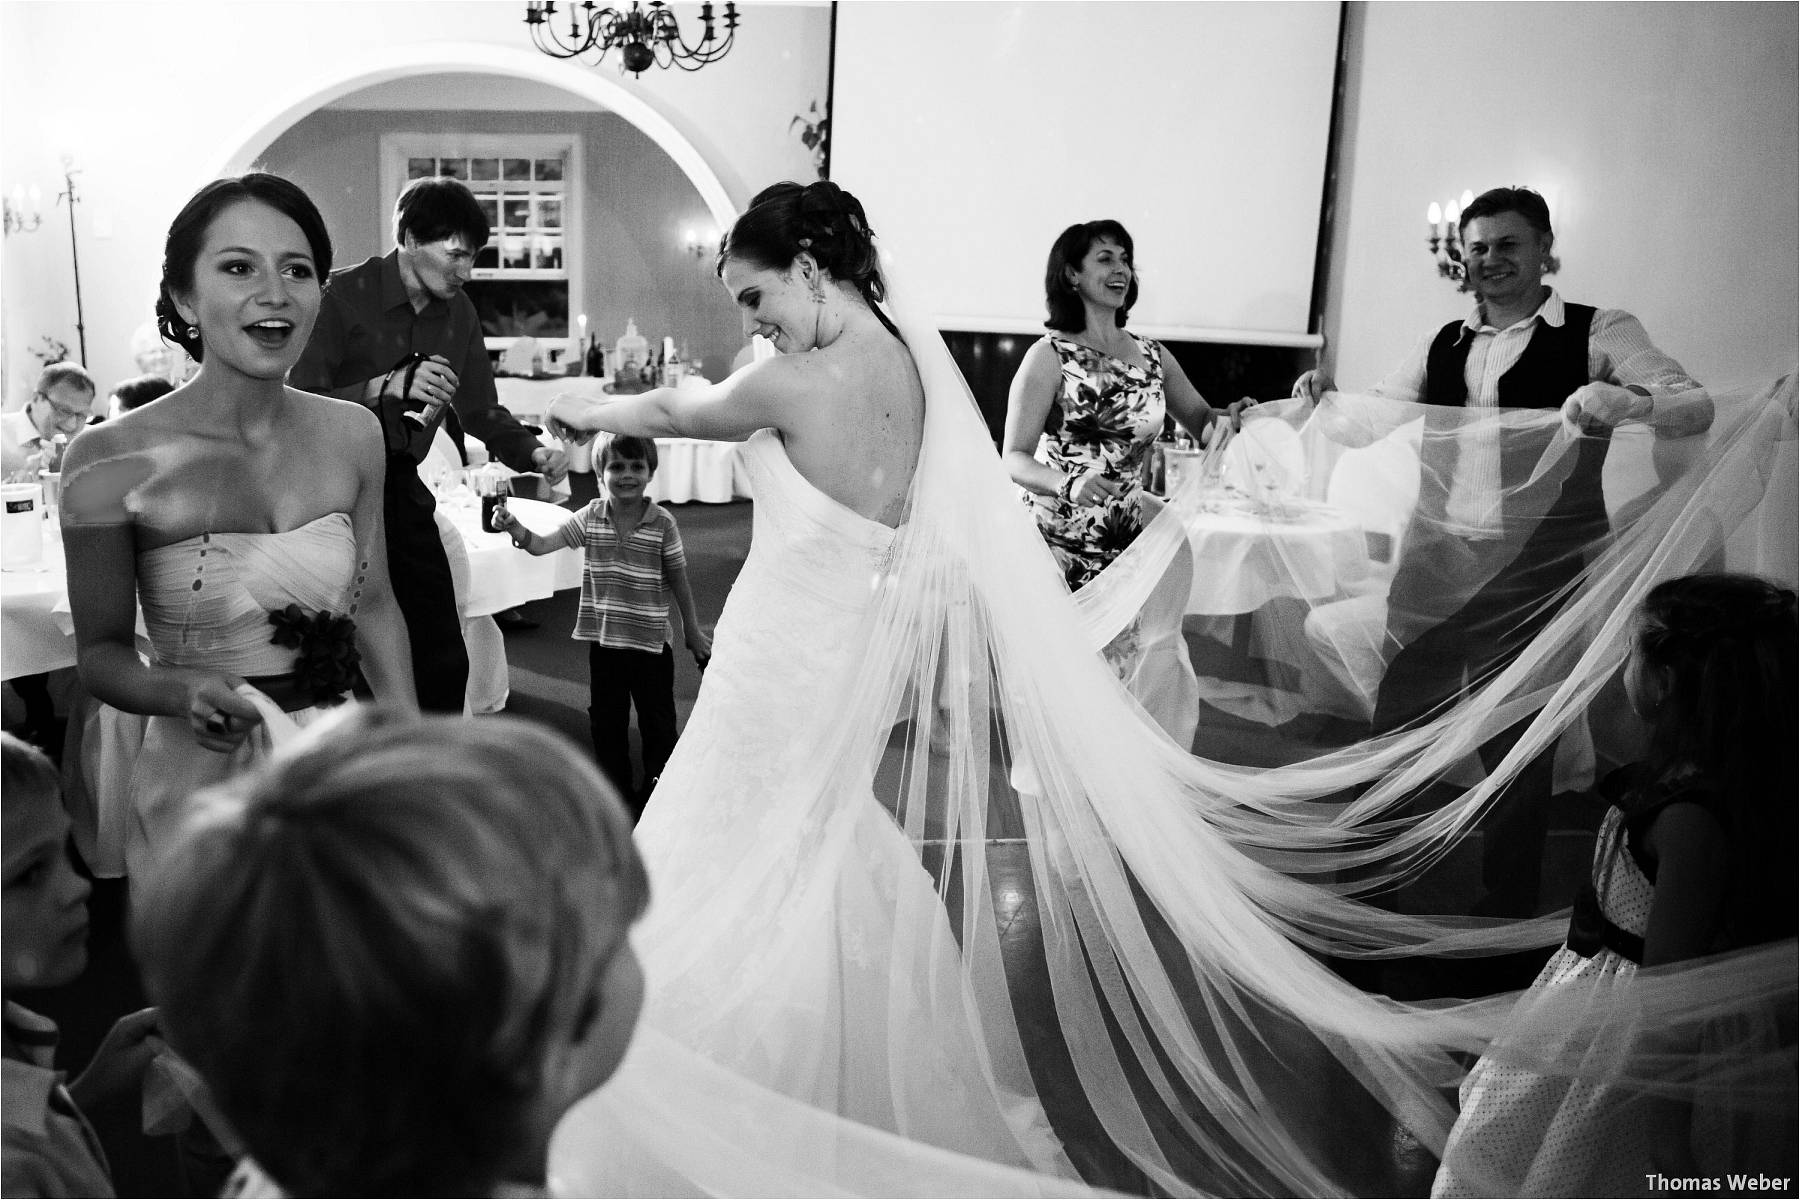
634	562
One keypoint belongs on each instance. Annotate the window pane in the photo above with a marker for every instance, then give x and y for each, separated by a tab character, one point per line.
515	169
521	307
547	252
518	212
488	256
484	168
549	212
550	168
455	168
490	208
421	168
515	253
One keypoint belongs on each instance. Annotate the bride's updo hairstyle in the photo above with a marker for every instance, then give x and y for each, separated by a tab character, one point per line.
821	219
187	236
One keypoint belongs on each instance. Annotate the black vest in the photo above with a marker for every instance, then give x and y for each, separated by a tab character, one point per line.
1554	364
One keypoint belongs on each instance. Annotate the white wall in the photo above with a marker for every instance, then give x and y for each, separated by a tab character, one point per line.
1663	136
153	98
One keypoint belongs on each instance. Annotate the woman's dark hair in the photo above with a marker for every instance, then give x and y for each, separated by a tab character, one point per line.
187	234
1725	646
821	219
135	393
440	207
1067	254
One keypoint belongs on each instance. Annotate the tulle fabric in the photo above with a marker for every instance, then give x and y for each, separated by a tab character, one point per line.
1179	907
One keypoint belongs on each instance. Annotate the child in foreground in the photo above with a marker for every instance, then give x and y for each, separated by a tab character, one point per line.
398	953
50	1149
1695	858
635	561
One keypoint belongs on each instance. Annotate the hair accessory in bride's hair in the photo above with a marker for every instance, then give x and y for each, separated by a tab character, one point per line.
329	663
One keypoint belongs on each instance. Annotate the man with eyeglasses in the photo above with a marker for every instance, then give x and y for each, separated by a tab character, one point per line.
61	403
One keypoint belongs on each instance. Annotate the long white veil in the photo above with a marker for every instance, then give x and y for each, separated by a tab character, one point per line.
1170	916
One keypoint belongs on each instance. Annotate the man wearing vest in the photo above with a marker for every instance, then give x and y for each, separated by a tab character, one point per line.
1522	347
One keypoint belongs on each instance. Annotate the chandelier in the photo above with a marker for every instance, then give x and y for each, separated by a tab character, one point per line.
646	36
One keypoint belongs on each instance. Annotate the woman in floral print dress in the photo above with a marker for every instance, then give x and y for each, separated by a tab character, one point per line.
1086	404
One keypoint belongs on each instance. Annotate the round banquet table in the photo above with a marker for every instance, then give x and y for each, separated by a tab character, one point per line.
36	631
1243	559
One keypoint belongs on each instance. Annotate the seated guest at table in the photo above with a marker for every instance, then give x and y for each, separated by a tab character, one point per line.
50	1149
243	515
466	974
60	405
1522	346
398	333
137	392
635	562
1085	405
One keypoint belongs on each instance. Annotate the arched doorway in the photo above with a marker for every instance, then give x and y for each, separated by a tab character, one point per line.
355	71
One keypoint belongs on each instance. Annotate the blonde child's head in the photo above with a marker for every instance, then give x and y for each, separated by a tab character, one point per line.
399	952
44	941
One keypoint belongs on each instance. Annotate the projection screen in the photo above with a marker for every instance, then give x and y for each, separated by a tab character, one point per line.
975	132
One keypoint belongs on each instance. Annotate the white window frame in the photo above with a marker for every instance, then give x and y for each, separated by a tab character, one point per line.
396	148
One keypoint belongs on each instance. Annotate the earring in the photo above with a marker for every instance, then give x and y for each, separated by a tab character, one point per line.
818	294
193	333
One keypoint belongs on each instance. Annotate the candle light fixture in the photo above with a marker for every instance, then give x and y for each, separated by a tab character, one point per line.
646	35
1445	238
22	215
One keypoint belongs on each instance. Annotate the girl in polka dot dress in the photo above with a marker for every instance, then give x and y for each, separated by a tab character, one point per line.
1695	857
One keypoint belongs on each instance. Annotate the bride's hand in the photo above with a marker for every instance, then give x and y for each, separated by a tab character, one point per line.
219	717
569	433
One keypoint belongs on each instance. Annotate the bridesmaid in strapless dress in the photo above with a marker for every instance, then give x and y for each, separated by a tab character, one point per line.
244	517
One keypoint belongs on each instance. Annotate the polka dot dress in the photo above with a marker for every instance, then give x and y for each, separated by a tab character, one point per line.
1526	1134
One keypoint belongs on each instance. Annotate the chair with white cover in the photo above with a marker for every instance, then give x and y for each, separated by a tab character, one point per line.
1379	485
490	682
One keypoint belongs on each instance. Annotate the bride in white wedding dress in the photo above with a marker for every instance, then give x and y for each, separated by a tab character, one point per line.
901	689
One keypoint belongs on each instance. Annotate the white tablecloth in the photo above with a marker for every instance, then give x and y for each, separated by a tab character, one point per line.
34	636
1243	560
688	469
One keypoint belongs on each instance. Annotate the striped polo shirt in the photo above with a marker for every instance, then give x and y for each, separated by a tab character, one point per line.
623	600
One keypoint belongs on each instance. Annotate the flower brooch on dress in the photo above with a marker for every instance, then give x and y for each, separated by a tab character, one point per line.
328	664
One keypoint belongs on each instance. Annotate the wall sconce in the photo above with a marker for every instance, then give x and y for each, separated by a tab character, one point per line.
701	243
21	217
1445	239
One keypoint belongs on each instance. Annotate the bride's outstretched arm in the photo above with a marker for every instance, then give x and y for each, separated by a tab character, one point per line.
758	397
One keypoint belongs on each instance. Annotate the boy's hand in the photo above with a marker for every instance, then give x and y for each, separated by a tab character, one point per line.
118	1065
510	525
701	646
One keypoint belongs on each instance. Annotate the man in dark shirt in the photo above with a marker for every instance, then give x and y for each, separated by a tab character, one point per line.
398	335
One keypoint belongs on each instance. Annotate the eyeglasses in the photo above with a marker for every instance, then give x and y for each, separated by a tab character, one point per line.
64	416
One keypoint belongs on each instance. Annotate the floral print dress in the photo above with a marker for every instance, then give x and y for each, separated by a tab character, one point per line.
1106	415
